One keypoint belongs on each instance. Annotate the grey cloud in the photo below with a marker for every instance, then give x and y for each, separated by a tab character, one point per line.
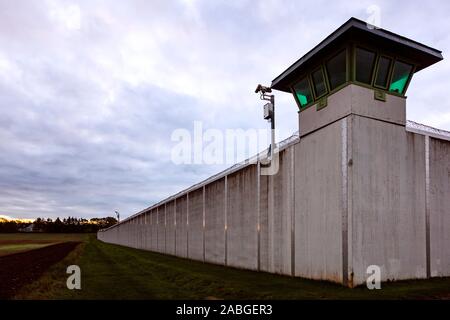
86	114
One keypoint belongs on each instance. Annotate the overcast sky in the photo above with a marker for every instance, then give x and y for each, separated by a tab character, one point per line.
90	91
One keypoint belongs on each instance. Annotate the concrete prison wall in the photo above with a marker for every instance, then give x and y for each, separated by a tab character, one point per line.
241	219
354	193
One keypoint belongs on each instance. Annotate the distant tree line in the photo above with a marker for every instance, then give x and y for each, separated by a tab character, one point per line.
66	225
9	226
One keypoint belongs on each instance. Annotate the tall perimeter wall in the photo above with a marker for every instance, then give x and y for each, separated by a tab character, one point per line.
353	190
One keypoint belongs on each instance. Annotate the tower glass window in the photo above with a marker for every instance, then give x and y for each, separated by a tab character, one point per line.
303	92
319	83
337	70
382	78
365	61
400	76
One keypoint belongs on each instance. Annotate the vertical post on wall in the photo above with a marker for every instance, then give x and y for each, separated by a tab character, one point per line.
203	228
150	229
270	224
165	227
144	232
187	225
157	229
258	213
349	201
175	225
226	220
136	232
344	201
427	206
292	187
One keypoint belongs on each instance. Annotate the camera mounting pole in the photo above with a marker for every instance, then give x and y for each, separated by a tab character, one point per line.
269	113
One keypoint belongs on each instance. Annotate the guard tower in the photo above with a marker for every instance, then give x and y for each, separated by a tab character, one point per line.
362	179
356	70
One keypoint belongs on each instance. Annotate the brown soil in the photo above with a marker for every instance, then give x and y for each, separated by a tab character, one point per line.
22	268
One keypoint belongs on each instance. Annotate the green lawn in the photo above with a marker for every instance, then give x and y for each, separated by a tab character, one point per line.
116	272
14	248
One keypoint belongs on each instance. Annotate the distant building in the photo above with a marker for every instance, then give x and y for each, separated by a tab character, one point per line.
29	228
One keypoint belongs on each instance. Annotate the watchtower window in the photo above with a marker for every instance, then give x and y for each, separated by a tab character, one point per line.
303	92
400	76
337	70
382	77
319	83
365	61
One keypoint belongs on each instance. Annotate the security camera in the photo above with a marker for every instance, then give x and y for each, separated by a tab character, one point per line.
263	89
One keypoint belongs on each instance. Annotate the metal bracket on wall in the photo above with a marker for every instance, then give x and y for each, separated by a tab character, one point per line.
322	103
380	95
